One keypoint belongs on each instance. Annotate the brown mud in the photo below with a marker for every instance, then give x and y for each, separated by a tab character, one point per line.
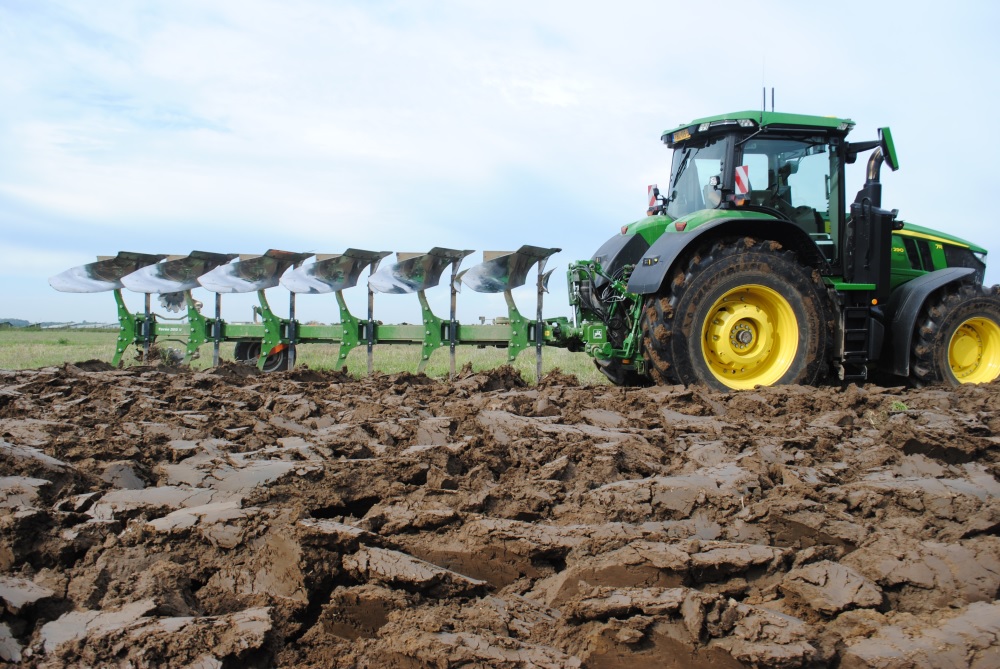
156	517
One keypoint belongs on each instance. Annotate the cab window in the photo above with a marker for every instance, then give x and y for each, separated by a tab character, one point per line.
693	168
792	177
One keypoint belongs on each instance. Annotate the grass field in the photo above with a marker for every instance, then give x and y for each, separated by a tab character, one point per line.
22	348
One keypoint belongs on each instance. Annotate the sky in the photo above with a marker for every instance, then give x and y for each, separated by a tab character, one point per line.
313	126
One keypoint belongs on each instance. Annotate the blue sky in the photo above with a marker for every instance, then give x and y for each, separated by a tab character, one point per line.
242	125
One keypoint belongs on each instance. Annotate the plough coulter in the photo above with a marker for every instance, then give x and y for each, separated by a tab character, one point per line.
270	341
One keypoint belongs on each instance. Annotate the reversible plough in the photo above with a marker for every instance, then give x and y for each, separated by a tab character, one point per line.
271	342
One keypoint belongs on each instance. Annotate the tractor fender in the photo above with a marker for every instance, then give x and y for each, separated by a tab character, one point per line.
904	307
656	264
618	251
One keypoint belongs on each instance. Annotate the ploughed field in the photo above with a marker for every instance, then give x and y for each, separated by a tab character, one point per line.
154	517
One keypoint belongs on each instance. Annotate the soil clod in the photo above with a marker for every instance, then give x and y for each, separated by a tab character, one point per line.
164	517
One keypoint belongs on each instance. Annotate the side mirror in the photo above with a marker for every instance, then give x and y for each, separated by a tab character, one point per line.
888	148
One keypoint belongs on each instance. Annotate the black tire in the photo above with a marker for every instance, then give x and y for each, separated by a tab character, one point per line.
242	352
732	280
958	336
249	351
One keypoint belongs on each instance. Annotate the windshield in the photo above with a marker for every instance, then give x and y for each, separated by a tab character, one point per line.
692	168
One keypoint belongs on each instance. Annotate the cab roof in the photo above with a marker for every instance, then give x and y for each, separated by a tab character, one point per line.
758	119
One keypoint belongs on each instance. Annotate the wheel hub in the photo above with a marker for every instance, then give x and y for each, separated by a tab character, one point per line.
966	349
974	351
741	336
750	337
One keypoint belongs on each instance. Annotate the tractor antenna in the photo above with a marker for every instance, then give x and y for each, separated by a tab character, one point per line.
772	99
763	85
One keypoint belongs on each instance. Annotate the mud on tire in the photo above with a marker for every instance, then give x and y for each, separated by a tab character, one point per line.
958	336
792	336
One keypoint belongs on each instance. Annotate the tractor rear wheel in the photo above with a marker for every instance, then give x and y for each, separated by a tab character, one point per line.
738	314
958	337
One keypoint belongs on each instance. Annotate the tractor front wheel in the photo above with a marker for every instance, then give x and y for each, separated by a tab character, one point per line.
739	314
619	375
958	337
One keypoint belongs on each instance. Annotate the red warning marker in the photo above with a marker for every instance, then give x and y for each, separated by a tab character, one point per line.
742	179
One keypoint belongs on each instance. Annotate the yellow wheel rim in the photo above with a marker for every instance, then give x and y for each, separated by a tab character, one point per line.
750	337
974	351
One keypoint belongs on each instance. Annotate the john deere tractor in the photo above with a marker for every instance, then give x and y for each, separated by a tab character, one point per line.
754	268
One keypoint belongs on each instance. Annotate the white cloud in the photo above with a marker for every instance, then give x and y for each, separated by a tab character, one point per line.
242	125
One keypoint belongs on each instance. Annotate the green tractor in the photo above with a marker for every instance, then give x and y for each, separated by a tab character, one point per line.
755	269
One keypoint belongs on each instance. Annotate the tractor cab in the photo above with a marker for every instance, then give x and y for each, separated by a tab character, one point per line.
781	166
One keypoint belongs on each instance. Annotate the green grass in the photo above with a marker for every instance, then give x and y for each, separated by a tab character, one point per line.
27	348
22	348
